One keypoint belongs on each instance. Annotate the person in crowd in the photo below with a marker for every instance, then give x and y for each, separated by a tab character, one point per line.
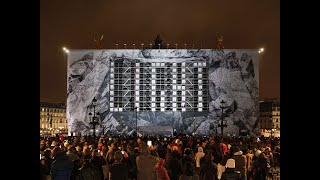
241	162
187	158
87	170
274	171
118	170
161	171
208	169
259	169
79	151
167	148
46	162
174	166
97	162
230	173
188	172
249	157
200	154
61	167
86	150
132	164
145	164
71	153
269	155
110	155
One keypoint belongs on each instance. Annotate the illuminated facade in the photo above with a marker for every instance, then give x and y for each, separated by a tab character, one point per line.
52	119
159	86
270	117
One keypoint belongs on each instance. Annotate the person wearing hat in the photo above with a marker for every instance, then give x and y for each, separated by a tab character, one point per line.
230	173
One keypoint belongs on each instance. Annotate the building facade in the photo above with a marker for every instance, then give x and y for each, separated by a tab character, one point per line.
53	119
181	88
270	117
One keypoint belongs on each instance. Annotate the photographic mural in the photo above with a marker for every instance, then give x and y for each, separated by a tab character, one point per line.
178	88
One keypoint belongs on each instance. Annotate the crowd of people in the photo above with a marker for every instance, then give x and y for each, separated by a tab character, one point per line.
180	157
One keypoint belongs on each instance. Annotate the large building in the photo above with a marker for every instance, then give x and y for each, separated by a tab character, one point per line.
53	119
178	88
270	117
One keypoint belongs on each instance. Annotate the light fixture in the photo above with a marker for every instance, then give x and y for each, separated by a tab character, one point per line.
65	50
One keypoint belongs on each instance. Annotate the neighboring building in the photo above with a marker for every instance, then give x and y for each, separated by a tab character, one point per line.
270	117
53	119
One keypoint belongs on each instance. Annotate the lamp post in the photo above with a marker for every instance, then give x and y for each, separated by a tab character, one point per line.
136	109
49	116
221	125
94	121
272	126
194	125
103	127
121	124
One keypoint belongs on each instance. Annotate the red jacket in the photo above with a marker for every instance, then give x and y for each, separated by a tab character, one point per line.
162	173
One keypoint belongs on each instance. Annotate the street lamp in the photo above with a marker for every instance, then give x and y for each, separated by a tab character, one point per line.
103	127
121	126
50	121
94	121
136	109
222	125
194	125
272	126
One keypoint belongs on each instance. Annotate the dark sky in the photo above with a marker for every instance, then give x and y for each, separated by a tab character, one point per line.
245	24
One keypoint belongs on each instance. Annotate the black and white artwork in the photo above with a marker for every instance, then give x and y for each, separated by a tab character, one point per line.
122	104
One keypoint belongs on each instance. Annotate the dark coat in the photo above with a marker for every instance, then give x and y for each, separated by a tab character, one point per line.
61	167
241	164
119	171
98	162
186	159
88	172
230	174
132	165
208	170
174	168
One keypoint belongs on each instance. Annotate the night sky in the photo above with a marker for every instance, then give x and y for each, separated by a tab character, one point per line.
245	24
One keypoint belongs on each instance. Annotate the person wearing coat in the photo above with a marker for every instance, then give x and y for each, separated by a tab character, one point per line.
200	154
62	165
146	164
161	171
118	170
208	169
230	173
87	170
241	162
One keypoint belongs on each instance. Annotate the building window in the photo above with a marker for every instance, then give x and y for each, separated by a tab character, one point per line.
277	120
277	126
